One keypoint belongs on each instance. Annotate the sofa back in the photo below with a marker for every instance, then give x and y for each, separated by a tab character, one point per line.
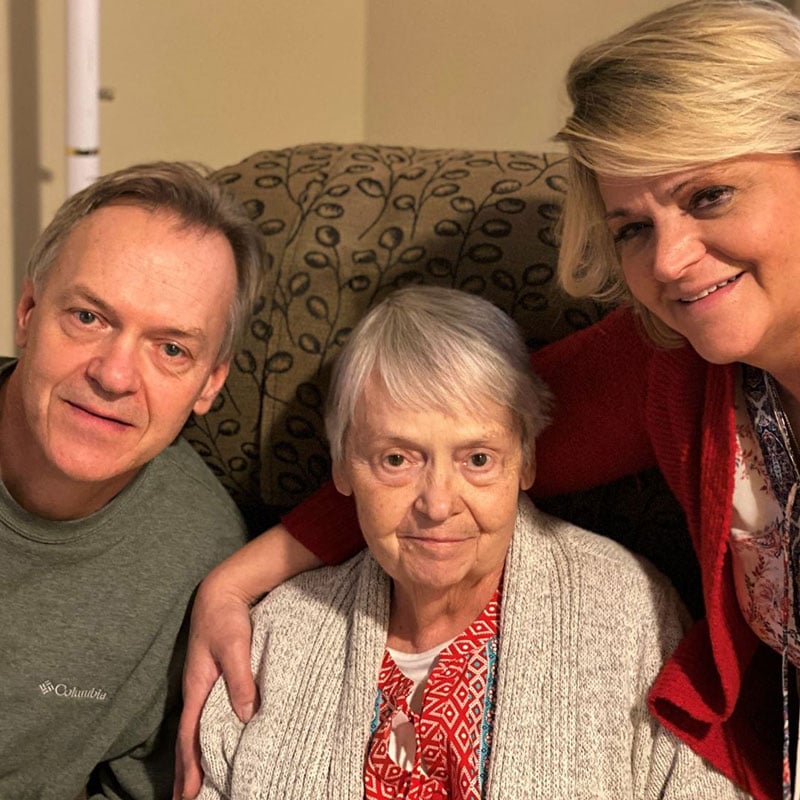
343	226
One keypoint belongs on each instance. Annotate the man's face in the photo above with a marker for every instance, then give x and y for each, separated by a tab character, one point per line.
120	343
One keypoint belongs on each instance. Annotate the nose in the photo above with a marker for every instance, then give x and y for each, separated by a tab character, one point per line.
677	245
114	369
439	496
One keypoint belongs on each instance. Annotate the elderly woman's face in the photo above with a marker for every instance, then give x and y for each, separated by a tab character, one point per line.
436	494
714	252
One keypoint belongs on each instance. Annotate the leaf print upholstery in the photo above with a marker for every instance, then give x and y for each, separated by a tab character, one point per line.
343	226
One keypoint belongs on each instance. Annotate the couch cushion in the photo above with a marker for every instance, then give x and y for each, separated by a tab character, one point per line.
344	225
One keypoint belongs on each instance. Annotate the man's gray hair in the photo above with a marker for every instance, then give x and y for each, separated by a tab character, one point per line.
195	201
437	348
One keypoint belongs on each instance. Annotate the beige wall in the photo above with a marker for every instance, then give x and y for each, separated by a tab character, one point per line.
214	81
479	73
204	80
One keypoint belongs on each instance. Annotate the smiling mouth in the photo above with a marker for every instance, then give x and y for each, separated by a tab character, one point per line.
98	415
710	290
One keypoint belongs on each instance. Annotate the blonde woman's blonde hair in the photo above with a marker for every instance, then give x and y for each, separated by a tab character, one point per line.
696	83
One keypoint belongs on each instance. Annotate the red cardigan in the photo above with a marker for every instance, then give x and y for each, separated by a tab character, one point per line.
623	405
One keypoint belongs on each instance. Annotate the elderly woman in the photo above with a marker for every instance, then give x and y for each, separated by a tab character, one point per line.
683	206
478	649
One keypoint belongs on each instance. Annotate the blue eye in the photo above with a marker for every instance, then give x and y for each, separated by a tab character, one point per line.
711	197
85	317
172	350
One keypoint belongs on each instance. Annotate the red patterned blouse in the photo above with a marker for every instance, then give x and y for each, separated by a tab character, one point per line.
452	734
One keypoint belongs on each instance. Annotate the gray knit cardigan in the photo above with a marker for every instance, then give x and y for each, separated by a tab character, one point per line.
584	628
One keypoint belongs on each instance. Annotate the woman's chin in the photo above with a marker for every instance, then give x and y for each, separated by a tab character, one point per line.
722	347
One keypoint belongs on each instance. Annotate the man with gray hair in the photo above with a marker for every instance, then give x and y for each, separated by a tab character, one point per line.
134	297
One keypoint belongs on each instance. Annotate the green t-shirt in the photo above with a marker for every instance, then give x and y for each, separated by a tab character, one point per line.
92	631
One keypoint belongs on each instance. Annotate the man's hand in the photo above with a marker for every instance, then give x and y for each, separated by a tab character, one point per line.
219	641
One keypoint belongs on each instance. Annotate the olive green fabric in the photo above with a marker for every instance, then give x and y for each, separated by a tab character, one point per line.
92	636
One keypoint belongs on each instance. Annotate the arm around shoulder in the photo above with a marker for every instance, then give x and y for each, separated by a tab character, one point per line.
326	524
220	733
219	640
221	614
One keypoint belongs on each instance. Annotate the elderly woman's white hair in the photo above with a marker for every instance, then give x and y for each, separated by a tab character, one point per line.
437	348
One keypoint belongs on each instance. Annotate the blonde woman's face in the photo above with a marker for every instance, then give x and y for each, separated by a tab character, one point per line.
714	253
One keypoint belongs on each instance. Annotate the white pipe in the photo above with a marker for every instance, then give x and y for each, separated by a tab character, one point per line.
83	85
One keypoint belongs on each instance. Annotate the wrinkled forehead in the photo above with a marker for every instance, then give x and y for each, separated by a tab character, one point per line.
93	230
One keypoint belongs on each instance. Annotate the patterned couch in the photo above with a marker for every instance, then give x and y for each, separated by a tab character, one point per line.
346	224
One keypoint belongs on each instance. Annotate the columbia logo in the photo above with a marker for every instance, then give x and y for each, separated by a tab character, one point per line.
72	692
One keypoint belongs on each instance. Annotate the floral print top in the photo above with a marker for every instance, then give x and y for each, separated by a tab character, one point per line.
451	734
757	542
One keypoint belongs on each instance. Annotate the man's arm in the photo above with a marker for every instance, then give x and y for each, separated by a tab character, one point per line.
143	761
145	772
219	641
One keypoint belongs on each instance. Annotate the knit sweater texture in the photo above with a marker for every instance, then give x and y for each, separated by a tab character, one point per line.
622	406
584	628
92	632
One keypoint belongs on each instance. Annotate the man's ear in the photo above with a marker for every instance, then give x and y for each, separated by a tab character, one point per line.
341	481
25	306
211	389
